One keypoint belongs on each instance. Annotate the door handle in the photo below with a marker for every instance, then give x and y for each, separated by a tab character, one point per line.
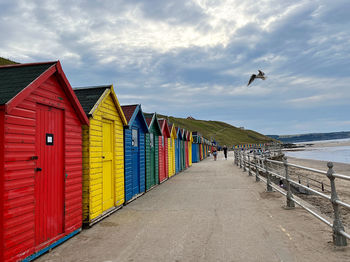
38	169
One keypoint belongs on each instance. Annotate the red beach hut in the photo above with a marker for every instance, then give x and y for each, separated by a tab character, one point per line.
163	150
40	160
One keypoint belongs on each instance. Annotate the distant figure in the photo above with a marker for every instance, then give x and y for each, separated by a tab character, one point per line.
225	151
261	75
214	151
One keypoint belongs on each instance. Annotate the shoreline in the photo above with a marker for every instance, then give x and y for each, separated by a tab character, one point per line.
322	146
318	144
340	168
328	144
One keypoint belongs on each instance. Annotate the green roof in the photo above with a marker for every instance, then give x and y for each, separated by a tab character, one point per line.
88	96
13	79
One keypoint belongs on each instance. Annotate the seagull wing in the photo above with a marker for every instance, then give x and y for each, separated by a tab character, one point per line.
261	73
251	79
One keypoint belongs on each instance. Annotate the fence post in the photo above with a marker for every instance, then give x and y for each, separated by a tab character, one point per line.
249	166
236	157
244	163
290	202
240	158
338	239
257	179
268	177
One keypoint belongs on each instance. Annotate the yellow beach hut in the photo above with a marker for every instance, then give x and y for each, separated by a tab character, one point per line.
103	153
171	148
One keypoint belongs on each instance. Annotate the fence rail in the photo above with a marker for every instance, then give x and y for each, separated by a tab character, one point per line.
250	160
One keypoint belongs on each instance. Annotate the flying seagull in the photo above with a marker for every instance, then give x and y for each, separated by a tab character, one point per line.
261	75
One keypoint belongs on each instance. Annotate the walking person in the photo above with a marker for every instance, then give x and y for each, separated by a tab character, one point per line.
225	151
214	152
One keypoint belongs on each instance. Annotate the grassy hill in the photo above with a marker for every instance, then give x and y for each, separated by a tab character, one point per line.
4	61
223	133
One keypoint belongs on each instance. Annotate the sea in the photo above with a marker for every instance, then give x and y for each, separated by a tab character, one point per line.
340	154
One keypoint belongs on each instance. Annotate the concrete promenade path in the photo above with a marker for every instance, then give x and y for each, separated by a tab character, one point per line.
212	211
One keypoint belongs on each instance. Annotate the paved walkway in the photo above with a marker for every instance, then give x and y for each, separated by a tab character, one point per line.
210	212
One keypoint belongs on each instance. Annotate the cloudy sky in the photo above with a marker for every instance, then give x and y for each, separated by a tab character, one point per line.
195	57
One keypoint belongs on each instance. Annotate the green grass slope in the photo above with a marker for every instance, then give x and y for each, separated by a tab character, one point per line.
224	134
4	61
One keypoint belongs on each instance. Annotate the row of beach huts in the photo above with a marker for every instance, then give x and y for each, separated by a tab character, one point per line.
70	157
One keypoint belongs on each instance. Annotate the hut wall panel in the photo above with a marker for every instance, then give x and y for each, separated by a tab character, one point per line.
156	160
181	155
95	167
148	160
186	153
161	159
142	163
190	152
194	153
172	141
177	155
128	165
173	155
166	159
2	222
19	177
170	162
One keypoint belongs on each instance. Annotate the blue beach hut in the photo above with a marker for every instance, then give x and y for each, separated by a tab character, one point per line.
134	151
183	149
195	147
178	149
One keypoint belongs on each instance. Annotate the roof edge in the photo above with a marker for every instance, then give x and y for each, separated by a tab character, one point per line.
29	64
119	108
92	87
99	101
134	115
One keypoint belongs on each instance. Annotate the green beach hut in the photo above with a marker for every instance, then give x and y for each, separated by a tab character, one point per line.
152	151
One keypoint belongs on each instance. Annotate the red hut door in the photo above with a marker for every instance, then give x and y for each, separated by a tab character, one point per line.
49	174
